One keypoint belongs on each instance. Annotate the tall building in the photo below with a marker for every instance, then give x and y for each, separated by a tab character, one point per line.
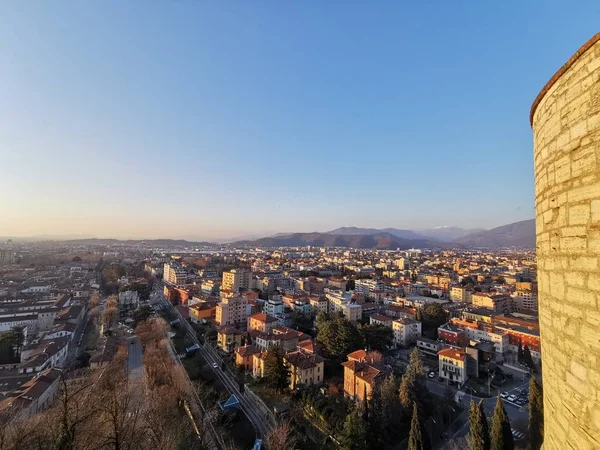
7	256
461	294
565	118
236	279
174	274
232	311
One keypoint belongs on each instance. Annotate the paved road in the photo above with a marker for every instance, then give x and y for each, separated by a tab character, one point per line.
517	415
254	416
134	359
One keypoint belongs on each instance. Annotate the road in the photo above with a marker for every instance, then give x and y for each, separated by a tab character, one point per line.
517	415
254	416
134	359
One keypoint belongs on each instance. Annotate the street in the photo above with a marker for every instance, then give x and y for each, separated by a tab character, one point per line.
134	359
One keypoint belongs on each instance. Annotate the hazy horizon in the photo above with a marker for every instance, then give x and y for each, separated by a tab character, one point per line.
218	121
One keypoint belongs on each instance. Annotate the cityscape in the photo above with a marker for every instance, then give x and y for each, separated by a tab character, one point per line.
211	245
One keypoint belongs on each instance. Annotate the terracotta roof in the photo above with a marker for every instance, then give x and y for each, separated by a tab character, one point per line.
381	317
303	360
228	329
453	354
357	355
560	72
262	317
247	350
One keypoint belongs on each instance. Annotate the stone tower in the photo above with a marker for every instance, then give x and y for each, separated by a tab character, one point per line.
565	118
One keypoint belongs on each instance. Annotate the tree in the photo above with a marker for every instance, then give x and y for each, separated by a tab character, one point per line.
520	353
415	364
281	438
527	358
355	433
416	439
142	313
434	315
479	438
501	437
376	336
386	415
408	394
94	300
536	415
276	371
338	335
303	321
11	342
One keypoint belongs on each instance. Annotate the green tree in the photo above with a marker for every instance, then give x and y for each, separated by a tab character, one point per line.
527	358
416	439
536	415
277	373
415	364
520	353
386	418
303	321
377	337
142	313
408	390
338	335
479	438
501	436
11	342
355	433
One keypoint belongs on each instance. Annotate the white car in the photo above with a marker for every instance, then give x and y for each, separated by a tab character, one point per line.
431	375
215	366
512	398
504	394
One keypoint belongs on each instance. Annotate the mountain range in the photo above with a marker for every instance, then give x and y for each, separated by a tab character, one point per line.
518	234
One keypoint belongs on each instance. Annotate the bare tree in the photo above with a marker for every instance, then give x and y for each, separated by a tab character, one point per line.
281	437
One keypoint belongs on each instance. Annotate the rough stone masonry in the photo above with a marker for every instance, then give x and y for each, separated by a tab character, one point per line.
566	124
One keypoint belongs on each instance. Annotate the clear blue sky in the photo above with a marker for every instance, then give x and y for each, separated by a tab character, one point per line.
229	118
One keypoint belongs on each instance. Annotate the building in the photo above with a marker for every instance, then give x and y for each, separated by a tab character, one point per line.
203	311
461	294
318	304
499	304
274	306
452	335
429	346
453	365
525	299
33	396
129	300
352	311
232	311
228	338
244	356
174	274
362	373
236	280
261	322
380	319
406	332
306	369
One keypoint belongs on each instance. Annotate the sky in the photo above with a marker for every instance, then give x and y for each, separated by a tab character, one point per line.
215	120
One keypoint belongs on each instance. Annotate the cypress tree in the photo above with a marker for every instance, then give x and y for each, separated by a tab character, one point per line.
527	358
501	436
416	440
536	415
520	353
479	438
408	390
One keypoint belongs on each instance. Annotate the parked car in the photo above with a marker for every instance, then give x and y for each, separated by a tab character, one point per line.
215	366
524	392
431	375
521	401
504	394
512	398
517	434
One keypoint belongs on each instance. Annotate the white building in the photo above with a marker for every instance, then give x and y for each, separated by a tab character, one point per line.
129	300
406	332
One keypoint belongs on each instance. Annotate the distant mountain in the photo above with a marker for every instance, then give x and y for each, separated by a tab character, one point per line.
157	242
403	234
447	233
380	241
518	234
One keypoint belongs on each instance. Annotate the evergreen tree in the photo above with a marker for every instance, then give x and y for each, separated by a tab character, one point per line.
501	436
276	372
354	433
520	353
416	439
527	358
408	394
536	415
415	364
479	438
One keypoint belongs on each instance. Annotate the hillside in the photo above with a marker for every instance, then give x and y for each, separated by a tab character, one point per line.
381	241
518	234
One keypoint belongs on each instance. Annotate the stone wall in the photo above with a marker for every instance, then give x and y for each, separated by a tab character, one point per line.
566	124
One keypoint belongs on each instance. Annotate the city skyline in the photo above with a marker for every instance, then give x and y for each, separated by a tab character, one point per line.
247	121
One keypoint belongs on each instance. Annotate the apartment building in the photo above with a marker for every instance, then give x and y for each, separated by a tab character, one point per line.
236	279
461	294
232	311
525	299
453	365
406	332
500	304
261	322
174	274
306	369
